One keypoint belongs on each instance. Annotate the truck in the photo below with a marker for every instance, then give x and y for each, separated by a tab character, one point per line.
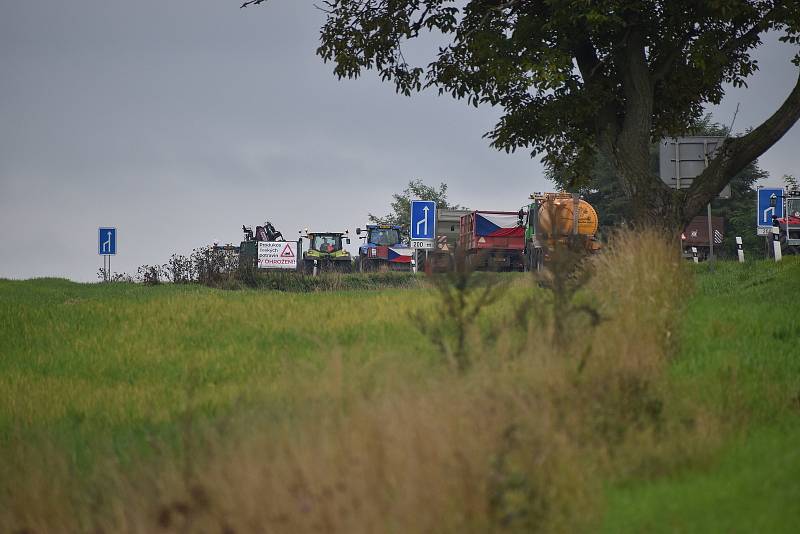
695	236
385	247
325	252
448	231
493	240
552	219
789	224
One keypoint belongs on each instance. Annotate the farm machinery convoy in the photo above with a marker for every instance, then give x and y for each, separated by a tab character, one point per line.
485	240
512	241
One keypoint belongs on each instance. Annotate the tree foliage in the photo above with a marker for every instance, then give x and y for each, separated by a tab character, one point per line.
577	77
416	190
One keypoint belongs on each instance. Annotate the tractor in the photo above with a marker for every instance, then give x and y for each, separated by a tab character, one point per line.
325	252
384	248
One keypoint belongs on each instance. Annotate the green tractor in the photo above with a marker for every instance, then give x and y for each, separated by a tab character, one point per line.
325	252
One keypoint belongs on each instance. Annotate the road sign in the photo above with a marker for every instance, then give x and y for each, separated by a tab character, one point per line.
422	243
107	241
423	220
277	255
764	212
682	159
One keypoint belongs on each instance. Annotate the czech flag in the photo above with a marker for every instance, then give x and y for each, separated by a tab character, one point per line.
400	255
493	225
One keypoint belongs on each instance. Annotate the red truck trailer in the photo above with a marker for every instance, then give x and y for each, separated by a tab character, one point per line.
493	240
695	235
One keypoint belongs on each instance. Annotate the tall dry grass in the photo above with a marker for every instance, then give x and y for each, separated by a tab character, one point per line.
521	442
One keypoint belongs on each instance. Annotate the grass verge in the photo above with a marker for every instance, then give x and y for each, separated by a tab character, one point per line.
181	408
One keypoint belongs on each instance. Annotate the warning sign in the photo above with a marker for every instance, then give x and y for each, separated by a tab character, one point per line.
277	255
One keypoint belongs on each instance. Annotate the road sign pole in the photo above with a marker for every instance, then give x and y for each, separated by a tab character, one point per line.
776	243
710	238
678	185
708	211
106	247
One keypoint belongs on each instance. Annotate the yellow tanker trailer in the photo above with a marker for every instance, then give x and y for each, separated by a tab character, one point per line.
555	218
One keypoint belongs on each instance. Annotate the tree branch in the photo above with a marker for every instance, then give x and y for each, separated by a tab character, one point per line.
750	35
738	152
591	68
660	68
586	58
252	3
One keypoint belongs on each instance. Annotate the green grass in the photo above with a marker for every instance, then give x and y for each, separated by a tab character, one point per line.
740	356
93	369
88	366
744	325
753	487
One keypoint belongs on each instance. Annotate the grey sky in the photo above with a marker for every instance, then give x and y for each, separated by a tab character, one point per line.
178	121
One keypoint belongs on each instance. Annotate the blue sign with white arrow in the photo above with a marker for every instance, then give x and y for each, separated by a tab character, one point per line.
107	241
423	219
770	202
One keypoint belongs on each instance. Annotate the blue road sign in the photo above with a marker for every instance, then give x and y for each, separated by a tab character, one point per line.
423	219
764	211
107	241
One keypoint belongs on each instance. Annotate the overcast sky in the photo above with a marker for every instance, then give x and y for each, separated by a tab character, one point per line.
177	121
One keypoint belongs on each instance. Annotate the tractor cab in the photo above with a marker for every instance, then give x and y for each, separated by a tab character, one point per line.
325	252
382	235
325	243
793	204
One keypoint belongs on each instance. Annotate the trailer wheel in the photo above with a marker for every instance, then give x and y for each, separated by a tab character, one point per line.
786	248
534	260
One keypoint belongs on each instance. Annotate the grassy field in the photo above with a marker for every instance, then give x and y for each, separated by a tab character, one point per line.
129	408
90	365
740	354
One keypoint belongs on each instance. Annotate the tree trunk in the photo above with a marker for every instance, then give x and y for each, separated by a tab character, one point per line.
653	203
